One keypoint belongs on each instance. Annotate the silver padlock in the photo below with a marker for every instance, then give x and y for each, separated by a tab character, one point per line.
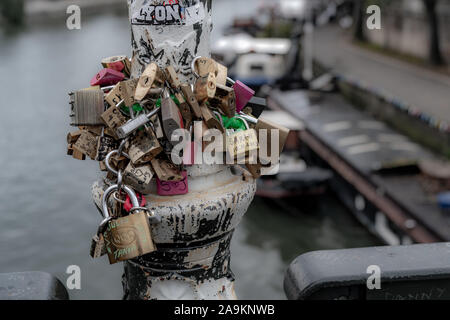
87	106
131	126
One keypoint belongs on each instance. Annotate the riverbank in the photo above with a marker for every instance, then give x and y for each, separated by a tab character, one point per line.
411	99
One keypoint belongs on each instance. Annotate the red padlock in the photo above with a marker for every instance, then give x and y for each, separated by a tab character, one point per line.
128	205
107	77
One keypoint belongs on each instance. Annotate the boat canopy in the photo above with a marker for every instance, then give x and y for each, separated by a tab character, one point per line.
244	43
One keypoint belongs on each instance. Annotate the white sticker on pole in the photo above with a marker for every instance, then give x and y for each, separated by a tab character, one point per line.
169	14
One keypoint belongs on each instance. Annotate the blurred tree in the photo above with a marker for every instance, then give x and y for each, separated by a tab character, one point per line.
435	55
359	8
12	11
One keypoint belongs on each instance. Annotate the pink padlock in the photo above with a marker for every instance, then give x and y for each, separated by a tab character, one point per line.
173	188
107	77
243	94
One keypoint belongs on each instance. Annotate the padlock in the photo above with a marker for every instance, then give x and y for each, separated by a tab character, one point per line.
222	75
72	137
262	123
128	89
202	66
87	144
70	150
139	177
241	145
128	206
76	154
151	76
172	77
243	94
205	88
87	107
115	96
105	146
254	169
157	127
257	106
107	77
131	126
113	118
173	188
210	118
171	118
184	109
98	246
118	63
144	147
165	170
225	100
126	237
191	100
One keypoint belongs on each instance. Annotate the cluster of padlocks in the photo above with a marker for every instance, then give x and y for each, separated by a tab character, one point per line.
127	126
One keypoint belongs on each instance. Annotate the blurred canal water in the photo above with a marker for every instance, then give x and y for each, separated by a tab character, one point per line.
47	216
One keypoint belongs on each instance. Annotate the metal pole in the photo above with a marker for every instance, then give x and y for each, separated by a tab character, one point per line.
192	260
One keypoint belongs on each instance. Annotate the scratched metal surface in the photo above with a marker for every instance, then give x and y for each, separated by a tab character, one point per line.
47	216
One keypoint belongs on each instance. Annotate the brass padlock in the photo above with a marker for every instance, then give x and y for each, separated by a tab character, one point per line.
172	77
242	144
225	100
262	124
184	109
144	147
126	237
166	171
139	177
191	100
151	76
269	126
105	146
202	66
113	118
205	88
72	137
87	107
128	89
211	119
87	144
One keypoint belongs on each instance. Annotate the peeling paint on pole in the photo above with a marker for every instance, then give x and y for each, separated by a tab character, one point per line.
193	240
170	33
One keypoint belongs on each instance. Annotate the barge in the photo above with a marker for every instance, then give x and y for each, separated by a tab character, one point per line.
377	171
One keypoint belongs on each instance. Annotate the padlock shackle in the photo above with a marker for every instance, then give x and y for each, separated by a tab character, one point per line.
108	193
247	118
194	72
108	160
245	122
231	80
